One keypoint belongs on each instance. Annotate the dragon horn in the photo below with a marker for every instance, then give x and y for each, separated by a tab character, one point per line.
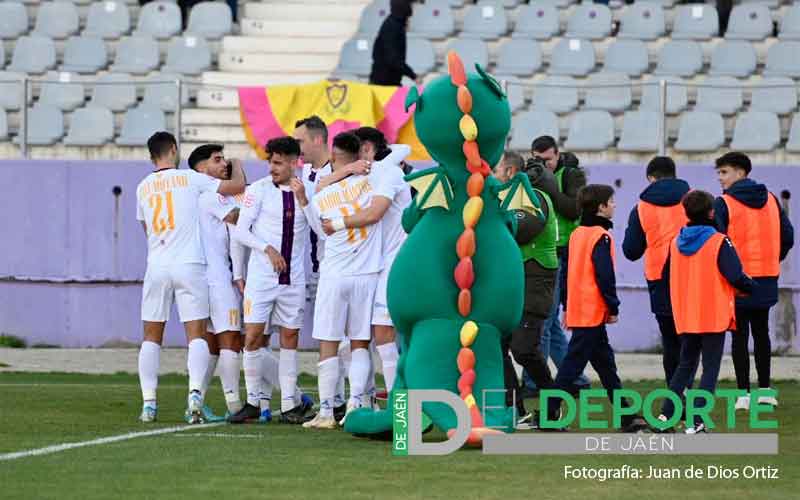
456	69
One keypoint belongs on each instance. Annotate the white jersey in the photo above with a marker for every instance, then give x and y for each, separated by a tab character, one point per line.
350	251
316	243
391	184
167	202
271	215
214	207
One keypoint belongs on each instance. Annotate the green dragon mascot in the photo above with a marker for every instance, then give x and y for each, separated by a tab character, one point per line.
457	284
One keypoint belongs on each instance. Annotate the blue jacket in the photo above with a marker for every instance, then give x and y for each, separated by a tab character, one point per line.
755	195
692	238
663	193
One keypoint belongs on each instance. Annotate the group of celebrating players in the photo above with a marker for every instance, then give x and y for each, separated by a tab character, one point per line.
328	238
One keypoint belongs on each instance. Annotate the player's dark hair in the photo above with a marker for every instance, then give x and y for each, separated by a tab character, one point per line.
591	196
661	167
286	146
697	205
203	153
543	143
347	142
315	126
376	138
736	160
160	144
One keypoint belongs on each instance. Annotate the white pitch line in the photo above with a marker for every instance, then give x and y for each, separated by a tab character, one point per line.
219	435
110	439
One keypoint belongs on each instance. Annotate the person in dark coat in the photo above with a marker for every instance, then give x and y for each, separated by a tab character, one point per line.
389	50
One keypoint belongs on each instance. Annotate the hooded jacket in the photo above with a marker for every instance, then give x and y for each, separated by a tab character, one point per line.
755	195
389	50
663	193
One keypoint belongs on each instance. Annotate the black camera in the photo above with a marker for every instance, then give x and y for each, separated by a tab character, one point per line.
229	169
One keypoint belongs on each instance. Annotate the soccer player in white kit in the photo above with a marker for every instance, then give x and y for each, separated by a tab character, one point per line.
274	227
392	196
223	254
167	206
348	277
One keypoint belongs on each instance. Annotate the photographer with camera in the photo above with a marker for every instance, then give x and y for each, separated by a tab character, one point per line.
558	175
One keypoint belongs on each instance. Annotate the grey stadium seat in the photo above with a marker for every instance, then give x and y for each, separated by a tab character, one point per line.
189	55
642	21
420	55
373	16
600	95
90	126
793	144
776	94
790	24
139	124
733	58
13	20
772	4
164	94
590	131
515	92
627	56
677	94
558	3
432	19
109	19
136	54
159	19
556	93
57	20
211	20
33	54
3	124
531	124
695	22
538	20
471	51
63	91
680	57
757	131
45	125
486	20
2	55
749	22
356	57
114	91
722	94
639	131
519	57
589	20
11	93
700	131
83	54
572	57
783	60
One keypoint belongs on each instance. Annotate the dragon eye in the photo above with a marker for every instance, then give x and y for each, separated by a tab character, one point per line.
490	81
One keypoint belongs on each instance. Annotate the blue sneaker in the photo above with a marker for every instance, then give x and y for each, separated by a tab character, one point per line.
208	415
306	402
194	414
265	416
149	412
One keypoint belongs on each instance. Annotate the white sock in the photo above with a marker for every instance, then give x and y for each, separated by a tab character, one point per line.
197	364
359	373
212	367
287	373
344	368
229	367
251	362
269	371
369	389
389	355
328	372
149	355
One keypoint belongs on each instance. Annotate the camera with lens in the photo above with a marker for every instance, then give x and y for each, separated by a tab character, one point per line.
228	169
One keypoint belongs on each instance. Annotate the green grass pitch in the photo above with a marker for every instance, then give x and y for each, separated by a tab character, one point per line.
280	461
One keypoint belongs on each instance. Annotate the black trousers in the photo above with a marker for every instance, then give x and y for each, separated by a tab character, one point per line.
524	344
671	344
755	322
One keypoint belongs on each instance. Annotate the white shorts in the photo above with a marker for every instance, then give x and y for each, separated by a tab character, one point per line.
225	304
185	284
344	307
277	305
380	308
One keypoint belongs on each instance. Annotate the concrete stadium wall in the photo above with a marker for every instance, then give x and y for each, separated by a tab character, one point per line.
74	255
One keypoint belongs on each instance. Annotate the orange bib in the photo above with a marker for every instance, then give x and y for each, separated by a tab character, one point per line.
585	304
660	226
756	235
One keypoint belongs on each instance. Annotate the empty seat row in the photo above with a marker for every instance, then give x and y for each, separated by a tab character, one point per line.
92	126
699	131
643	20
111	19
114	91
188	55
